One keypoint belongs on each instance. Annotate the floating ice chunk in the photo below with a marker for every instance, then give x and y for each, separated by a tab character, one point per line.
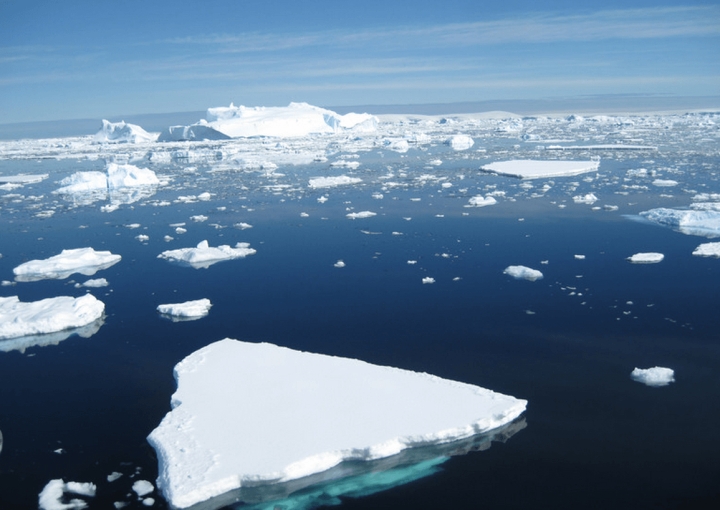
315	410
142	238
126	176
537	169
580	257
664	183
142	488
697	223
85	261
361	215
339	263
331	182
189	309
460	142
122	132
199	131
203	256
428	279
199	218
646	258
481	201
97	282
47	315
52	494
589	199
242	225
523	273
707	250
83	182
23	179
656	376
114	476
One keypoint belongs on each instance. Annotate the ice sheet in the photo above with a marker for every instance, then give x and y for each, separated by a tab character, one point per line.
85	261
537	169
278	414
203	256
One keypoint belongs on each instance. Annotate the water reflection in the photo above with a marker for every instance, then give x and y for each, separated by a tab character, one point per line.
356	478
24	342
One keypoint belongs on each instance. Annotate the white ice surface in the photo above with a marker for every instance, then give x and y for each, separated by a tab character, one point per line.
23	179
258	413
481	201
203	256
646	258
461	142
361	215
656	376
704	223
196	308
122	132
85	261
115	177
52	494
537	169
707	250
142	487
523	273
331	182
49	315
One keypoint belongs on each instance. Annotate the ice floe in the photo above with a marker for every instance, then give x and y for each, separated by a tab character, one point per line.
142	487
331	182
204	255
656	376
460	142
646	258
45	339
52	495
187	310
85	261
538	169
481	201
115	177
315	410
19	319
588	198
23	179
122	132
707	250
523	273
361	215
704	223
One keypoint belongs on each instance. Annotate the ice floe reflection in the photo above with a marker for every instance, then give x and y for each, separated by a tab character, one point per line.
356	479
24	342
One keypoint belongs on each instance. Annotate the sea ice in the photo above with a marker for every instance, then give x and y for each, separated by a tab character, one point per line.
690	222
588	198
707	250
52	494
664	183
656	376
85	261
23	179
189	309
292	414
203	256
481	201
646	258
115	177
361	215
97	282
523	273
25	342
49	315
331	182
142	488
536	169
460	142
122	132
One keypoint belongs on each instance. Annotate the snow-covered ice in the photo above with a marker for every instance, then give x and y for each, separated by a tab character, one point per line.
707	250
361	215
189	309
85	261
18	319
96	282
656	376
481	201
122	132
704	223
646	258
523	273
52	495
23	179
460	142
331	182
204	255
292	414
538	169
142	487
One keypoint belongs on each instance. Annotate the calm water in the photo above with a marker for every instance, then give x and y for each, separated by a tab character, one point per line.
567	343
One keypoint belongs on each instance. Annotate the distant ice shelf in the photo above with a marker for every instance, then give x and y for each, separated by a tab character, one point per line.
315	410
538	169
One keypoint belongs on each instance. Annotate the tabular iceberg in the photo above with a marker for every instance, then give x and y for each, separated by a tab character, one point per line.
536	169
85	261
254	414
646	258
204	255
690	222
707	250
187	310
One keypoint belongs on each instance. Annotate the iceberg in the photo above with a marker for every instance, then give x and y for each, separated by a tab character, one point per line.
85	261
200	131
656	376
204	255
293	414
707	250
331	182
127	176
646	258
52	495
460	142
20	319
481	201
523	273
124	183
361	215
187	310
122	132
537	169
690	222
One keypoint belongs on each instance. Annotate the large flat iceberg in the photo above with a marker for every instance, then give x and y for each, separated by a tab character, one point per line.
18	319
186	311
85	261
204	255
690	222
247	414
537	169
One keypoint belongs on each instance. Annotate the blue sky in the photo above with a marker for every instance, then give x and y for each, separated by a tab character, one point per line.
94	59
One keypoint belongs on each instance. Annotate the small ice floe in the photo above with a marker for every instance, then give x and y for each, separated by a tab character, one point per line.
704	223
646	258
664	183
656	376
707	250
199	218
23	179
52	495
360	412
480	201
428	279
189	310
322	199
523	273
331	182
412	262
339	263
85	261
114	476
49	315
203	256
115	177
361	215
143	238
589	199
142	488
96	283
580	257
460	142
242	225
535	169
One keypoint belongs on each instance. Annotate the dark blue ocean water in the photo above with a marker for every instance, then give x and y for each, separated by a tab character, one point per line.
567	343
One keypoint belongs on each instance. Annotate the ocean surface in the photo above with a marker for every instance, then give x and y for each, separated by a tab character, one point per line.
81	408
